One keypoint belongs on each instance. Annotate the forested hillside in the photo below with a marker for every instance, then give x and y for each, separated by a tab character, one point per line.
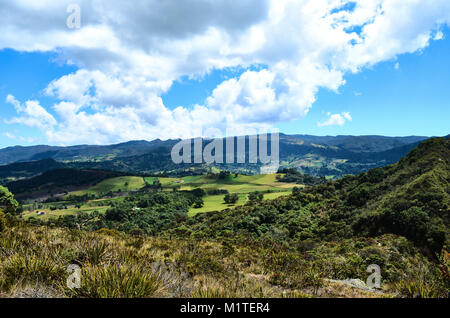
31	169
410	198
59	180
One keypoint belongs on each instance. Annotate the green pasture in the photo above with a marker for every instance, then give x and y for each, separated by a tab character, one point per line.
124	184
239	184
71	210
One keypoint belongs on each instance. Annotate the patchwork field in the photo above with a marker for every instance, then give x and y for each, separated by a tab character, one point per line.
124	184
239	184
216	202
71	210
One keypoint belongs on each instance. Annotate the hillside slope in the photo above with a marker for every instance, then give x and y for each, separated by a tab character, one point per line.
410	198
21	170
57	181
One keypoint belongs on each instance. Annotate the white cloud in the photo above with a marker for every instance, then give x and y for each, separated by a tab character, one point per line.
32	114
336	119
13	136
130	52
10	135
438	36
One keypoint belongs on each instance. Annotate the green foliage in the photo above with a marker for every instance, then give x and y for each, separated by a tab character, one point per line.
224	175
198	192
294	176
26	268
369	204
2	221
417	225
198	204
255	197
231	198
7	201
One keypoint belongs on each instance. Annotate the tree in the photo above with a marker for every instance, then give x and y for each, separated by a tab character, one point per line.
231	198
7	201
223	175
198	192
255	197
156	184
198	203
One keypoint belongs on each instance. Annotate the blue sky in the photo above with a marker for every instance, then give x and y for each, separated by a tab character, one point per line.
383	100
94	85
412	99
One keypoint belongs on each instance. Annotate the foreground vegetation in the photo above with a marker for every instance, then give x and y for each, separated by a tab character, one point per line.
34	259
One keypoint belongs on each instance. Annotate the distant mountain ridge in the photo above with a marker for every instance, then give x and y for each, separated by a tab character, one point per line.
332	156
76	153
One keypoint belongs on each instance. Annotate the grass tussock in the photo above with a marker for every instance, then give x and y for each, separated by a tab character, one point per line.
113	281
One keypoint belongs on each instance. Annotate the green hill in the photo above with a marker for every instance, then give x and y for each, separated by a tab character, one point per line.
57	181
21	170
410	198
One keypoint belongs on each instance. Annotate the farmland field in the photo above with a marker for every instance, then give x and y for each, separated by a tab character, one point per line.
216	202
239	184
71	210
124	184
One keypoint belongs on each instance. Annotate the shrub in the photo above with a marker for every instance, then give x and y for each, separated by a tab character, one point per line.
7	200
30	268
114	281
418	289
2	221
109	232
94	253
137	243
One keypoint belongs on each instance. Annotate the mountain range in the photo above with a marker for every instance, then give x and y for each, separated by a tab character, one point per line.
331	156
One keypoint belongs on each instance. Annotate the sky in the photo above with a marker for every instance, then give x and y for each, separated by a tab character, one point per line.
104	72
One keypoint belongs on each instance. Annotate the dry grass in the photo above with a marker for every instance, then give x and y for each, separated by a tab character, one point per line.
34	260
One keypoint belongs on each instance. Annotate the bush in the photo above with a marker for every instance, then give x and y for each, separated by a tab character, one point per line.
2	221
231	198
118	282
21	269
7	201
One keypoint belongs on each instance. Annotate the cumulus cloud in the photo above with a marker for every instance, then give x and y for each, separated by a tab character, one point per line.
130	52
13	136
336	119
32	114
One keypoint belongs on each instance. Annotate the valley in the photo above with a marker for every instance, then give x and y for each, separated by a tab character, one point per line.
99	197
